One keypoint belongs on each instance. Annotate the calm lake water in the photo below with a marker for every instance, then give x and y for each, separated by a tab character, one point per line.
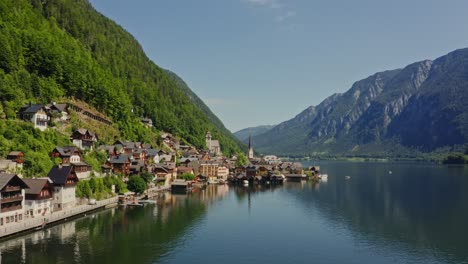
417	214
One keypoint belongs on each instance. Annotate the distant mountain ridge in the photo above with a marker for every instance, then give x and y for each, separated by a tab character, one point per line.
243	134
420	108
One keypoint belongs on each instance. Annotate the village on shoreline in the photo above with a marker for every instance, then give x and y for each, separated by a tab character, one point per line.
131	172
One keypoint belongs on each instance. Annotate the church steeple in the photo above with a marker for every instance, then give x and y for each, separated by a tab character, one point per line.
250	153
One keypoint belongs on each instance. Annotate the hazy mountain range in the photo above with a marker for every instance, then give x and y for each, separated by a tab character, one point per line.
245	133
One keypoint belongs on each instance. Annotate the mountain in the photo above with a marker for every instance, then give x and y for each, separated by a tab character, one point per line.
243	134
56	49
403	112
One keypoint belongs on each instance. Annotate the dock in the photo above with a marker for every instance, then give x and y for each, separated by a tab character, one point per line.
296	177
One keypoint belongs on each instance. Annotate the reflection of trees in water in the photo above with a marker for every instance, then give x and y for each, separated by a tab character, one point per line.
426	210
120	235
245	192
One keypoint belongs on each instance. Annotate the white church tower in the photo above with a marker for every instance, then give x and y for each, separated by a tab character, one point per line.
250	152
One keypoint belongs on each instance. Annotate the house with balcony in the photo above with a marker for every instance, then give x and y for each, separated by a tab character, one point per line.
209	169
71	155
57	111
64	180
120	164
83	138
39	197
36	114
12	190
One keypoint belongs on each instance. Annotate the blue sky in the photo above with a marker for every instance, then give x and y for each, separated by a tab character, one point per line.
258	62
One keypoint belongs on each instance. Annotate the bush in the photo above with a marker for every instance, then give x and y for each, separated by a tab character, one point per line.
455	158
187	176
136	184
147	177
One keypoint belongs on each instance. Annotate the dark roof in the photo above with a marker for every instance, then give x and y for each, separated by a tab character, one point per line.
67	150
80	164
147	145
152	152
131	144
159	167
184	169
147	120
59	174
5	178
120	159
138	151
60	107
31	108
35	185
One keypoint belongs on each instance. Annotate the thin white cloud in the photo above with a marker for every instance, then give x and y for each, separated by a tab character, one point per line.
285	16
269	3
283	13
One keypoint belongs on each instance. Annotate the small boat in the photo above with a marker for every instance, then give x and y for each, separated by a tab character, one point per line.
323	176
134	204
347	177
390	172
245	182
146	201
211	181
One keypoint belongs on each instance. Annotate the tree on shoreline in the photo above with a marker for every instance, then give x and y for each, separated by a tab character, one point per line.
136	184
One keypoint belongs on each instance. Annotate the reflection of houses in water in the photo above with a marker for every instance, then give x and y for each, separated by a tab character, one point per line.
213	193
66	231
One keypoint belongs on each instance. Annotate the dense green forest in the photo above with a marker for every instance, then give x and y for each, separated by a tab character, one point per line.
55	49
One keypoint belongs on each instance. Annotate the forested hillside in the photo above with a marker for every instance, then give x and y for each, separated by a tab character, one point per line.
65	49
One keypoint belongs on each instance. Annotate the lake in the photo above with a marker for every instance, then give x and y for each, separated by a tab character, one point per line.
418	213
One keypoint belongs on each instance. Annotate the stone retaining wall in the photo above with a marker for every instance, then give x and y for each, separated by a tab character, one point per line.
31	223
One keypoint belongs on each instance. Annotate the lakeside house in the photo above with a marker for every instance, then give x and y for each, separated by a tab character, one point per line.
182	170
223	173
39	196
64	180
12	190
209	169
36	114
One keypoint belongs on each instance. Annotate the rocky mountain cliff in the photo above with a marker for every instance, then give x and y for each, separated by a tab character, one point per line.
420	108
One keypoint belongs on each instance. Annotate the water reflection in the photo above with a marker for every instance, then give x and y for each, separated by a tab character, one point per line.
118	235
417	214
418	207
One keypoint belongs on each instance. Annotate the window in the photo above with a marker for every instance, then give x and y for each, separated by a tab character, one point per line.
20	217
7	219
1	221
